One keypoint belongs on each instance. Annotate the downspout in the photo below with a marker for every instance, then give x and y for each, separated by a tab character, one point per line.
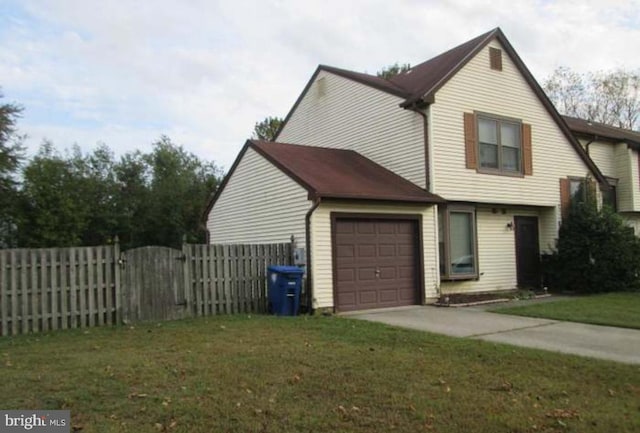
307	224
417	107
586	146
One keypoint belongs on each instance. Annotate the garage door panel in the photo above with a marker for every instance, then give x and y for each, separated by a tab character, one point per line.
406	272
347	274
366	274
367	250
347	300
364	228
387	250
388	273
388	296
376	263
345	251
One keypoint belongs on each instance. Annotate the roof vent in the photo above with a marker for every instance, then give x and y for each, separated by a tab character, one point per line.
495	58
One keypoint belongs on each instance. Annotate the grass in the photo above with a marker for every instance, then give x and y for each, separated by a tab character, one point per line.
315	374
612	309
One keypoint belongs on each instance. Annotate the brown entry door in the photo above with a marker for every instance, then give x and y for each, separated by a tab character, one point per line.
376	263
527	252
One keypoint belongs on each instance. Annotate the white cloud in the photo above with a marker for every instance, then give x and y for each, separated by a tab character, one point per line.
203	72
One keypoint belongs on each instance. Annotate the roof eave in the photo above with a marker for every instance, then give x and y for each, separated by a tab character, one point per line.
378	198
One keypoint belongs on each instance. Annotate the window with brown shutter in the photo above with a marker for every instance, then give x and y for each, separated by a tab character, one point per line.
470	140
495	58
527	159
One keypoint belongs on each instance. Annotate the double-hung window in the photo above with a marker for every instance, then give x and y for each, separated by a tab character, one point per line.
457	242
500	145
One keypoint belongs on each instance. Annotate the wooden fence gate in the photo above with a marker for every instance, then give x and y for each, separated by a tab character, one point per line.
153	284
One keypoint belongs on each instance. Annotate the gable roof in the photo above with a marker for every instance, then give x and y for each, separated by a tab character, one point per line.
423	80
419	85
600	131
333	174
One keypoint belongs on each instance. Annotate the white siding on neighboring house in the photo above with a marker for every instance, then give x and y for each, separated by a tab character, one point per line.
625	162
635	178
497	248
604	155
476	87
321	252
260	204
341	113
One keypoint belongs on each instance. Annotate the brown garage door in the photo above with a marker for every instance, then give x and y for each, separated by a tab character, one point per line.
376	263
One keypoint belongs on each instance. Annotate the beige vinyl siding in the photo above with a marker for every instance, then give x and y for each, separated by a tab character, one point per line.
626	163
497	248
634	178
604	155
260	204
341	113
321	252
632	220
477	88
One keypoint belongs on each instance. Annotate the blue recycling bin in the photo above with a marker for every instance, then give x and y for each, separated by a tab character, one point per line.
285	285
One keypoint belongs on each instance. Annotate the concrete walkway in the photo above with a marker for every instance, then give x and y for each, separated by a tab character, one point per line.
604	342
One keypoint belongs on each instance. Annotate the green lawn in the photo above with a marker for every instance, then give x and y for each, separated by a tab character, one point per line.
612	309
310	374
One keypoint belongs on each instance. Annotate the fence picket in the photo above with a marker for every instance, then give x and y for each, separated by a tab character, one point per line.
73	289
82	286
108	281
4	295
54	288
24	292
64	288
213	277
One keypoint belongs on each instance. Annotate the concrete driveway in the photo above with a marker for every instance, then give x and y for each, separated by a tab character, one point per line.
604	342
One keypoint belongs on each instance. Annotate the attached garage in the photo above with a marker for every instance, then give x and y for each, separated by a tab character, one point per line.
368	234
377	261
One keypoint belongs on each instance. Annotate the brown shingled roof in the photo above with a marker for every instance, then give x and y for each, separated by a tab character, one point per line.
424	79
340	174
583	127
419	85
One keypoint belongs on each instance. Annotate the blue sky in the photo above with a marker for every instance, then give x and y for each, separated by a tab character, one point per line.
124	72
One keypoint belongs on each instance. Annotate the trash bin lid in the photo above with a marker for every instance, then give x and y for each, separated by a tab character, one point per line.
286	269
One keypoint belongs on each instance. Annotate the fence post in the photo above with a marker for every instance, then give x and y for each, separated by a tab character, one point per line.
186	272
117	279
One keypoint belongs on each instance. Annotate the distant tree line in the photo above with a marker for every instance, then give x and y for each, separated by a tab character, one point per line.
609	97
57	199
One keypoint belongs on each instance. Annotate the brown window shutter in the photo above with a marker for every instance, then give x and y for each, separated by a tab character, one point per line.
638	162
527	160
470	140
495	58
565	197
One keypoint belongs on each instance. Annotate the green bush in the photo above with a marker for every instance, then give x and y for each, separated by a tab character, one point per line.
596	252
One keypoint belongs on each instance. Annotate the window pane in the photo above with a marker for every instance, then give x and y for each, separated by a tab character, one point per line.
510	159
487	131
462	249
488	155
609	198
578	191
510	134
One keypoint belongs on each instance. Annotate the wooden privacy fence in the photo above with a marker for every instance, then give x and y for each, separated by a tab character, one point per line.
61	288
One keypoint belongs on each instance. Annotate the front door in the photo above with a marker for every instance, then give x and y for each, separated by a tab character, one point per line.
527	252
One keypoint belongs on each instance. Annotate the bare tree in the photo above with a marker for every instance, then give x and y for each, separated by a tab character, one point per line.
609	97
